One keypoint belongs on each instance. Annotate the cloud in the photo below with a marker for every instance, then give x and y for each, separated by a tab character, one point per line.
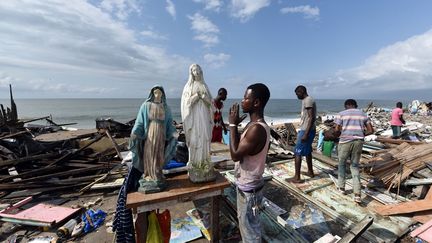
246	9
216	60
120	8
153	35
308	11
402	67
45	87
205	30
79	43
214	5
170	8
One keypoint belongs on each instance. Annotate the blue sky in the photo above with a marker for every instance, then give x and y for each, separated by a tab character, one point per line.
121	48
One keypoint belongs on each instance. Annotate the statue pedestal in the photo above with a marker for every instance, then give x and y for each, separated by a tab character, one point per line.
198	175
151	186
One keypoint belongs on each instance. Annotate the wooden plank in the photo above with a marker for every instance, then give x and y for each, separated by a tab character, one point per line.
354	233
317	156
395	141
66	135
115	145
44	213
422	229
405	207
424	216
28	158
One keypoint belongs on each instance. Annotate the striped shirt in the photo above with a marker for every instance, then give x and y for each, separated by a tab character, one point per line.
353	122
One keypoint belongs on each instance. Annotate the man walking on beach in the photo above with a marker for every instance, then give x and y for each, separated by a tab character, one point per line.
352	125
250	153
306	134
397	120
217	115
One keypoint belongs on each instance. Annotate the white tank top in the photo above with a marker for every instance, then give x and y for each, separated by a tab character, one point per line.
249	172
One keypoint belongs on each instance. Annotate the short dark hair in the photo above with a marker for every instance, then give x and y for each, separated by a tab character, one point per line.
222	89
399	104
261	92
351	102
302	88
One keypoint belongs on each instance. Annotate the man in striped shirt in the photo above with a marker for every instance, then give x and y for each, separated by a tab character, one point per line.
353	125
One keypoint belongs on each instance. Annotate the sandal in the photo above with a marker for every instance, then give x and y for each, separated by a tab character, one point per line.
342	190
357	198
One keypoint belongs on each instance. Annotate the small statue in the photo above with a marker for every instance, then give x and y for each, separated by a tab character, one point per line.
152	142
197	116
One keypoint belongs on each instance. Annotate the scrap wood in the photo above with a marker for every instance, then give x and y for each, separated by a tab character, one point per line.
28	158
75	152
13	134
116	146
400	162
405	207
17	205
424	216
395	141
40	215
59	174
315	155
424	232
417	182
353	234
101	178
30	173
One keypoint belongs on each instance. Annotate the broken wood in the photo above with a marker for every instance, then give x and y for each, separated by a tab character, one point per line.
116	146
28	158
353	234
73	153
395	141
405	207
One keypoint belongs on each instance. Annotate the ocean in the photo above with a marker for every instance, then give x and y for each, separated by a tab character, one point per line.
85	111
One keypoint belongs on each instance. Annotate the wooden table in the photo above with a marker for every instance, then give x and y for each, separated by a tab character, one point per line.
180	189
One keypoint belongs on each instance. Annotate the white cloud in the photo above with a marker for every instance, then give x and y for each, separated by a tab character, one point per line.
120	8
246	9
216	60
205	30
308	11
45	87
214	5
76	42
399	67
170	8
153	35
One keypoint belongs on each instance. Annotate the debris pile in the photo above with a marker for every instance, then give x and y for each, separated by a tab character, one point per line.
41	163
397	164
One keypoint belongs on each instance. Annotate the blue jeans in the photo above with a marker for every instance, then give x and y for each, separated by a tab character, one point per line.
351	150
249	224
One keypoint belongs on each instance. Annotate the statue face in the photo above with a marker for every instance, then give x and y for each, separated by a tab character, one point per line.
157	94
196	71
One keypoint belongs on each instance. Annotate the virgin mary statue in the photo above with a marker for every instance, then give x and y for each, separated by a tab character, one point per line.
152	140
197	114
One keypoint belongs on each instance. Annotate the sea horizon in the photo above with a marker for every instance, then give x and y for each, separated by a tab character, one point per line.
84	111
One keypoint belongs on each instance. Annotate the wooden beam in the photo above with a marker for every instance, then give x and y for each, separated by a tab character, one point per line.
405	207
116	146
353	234
396	141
